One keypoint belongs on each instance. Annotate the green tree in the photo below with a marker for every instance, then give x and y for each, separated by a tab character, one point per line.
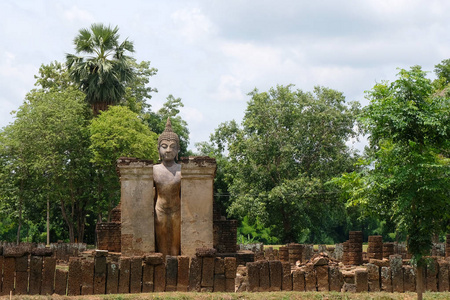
48	156
289	145
407	176
114	133
104	70
442	71
137	91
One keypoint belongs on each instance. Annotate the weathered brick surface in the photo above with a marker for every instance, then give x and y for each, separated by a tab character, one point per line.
61	281
443	276
160	278
205	252
171	273
219	283
336	278
21	287
361	281
148	278
225	235
386	279
135	275
75	276
230	285
286	283
48	275
276	275
112	283
396	262
298	280
124	275
100	275
373	276
35	275
207	271
87	280
154	258
264	276
409	279
230	267
219	265
431	275
322	278
310	278
183	273
195	274
253	276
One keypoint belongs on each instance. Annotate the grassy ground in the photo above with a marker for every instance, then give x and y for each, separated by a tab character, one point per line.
250	296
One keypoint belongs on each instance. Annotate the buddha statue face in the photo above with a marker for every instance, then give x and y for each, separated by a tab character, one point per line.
168	150
168	144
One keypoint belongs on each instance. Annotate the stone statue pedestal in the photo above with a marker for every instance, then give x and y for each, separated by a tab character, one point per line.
137	201
197	182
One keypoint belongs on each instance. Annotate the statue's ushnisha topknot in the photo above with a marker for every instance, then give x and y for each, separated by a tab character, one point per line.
168	134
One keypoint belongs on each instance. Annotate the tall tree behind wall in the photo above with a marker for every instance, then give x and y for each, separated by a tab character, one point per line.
289	145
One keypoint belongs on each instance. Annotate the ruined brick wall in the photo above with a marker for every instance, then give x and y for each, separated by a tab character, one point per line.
108	236
109	233
225	236
35	272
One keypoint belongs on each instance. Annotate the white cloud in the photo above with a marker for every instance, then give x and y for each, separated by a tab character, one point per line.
192	24
229	89
192	115
75	14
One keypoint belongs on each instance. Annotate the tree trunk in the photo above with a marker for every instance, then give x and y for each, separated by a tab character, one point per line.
48	222
68	223
20	222
419	282
98	107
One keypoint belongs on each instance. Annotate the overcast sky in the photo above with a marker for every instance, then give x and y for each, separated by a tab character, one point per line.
212	53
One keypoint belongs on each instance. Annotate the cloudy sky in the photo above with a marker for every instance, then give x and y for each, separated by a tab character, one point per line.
212	53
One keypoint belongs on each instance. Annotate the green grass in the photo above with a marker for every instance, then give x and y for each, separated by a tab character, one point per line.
250	296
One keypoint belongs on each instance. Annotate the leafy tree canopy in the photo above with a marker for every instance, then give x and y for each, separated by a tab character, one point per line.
120	132
289	145
101	66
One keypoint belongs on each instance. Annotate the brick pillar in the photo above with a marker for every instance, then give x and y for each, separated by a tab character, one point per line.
219	275
112	283
61	282
137	204
195	274
124	275
396	263
35	275
264	276
136	275
21	275
197	179
48	275
87	280
171	273
183	273
75	276
230	273
276	275
100	273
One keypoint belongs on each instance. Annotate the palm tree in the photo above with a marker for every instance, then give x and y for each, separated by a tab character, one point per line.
104	69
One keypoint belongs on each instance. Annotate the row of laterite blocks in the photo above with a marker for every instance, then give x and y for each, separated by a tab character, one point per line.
321	274
103	273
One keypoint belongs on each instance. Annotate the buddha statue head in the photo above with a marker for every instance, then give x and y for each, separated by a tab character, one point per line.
168	144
